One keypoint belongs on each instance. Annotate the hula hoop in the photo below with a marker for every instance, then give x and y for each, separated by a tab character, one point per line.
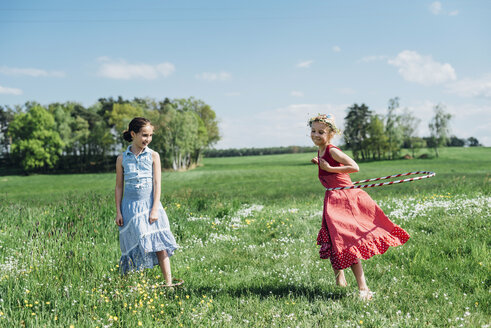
427	175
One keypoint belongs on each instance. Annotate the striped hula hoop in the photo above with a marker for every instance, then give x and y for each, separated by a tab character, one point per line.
427	175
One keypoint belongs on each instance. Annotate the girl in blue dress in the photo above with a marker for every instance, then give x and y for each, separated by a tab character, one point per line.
144	232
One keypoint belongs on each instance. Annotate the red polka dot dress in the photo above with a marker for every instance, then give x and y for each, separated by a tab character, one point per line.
353	226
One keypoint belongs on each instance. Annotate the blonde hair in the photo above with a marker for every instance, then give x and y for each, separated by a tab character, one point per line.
327	119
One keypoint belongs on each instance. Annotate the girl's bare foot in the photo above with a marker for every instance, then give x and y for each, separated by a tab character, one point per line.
365	294
340	279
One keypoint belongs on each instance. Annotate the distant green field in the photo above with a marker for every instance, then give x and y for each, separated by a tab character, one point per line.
247	228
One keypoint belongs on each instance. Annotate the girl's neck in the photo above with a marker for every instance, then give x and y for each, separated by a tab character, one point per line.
136	150
323	148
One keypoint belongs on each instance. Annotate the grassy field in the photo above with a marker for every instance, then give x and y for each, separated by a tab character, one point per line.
247	228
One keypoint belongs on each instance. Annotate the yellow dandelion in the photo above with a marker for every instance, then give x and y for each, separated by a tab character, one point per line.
33	313
72	326
48	303
140	323
36	302
187	296
361	321
56	317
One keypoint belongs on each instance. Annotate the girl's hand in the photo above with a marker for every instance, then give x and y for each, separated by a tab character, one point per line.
325	165
315	160
154	215
119	220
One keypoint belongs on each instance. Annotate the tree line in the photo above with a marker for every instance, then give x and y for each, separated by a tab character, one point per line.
232	152
375	136
72	138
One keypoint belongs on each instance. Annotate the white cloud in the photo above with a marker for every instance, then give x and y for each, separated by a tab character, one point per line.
297	93
422	69
121	70
276	127
435	7
210	76
10	91
336	49
32	72
305	64
471	87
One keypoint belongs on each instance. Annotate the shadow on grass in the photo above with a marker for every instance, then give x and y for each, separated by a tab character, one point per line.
265	291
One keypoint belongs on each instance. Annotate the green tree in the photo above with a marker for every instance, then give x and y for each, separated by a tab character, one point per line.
473	142
409	125
357	123
392	128
35	142
122	114
439	127
378	141
6	116
63	121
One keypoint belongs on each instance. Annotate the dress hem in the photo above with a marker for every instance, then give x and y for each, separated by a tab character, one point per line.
348	257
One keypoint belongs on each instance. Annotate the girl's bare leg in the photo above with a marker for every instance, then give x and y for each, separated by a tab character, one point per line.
164	263
359	275
360	279
340	279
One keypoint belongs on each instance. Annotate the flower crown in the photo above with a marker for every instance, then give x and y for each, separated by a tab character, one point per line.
327	119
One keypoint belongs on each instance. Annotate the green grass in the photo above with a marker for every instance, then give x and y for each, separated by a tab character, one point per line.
247	229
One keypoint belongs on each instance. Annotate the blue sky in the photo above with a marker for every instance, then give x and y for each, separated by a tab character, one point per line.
265	67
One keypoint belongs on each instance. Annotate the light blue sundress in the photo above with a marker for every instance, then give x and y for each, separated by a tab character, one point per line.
138	239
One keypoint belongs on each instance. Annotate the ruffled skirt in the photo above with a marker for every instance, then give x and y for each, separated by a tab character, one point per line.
138	239
354	227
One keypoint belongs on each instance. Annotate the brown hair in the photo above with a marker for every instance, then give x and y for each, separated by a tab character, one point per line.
135	125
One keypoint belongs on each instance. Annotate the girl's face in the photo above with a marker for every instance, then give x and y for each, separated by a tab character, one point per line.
321	134
144	137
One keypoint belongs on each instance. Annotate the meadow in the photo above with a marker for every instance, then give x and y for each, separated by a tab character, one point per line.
247	229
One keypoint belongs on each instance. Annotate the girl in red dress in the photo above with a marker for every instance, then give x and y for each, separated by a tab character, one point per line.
353	226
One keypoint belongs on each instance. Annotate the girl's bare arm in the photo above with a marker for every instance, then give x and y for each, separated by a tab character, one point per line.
118	191
157	175
350	165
